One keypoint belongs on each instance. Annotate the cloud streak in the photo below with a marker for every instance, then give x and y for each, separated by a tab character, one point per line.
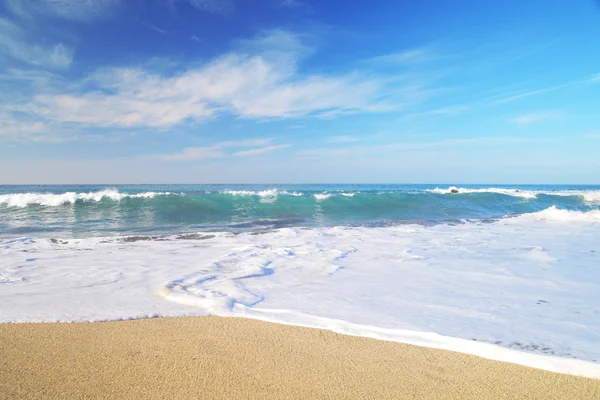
15	44
193	153
341	139
213	6
406	57
260	151
79	11
259	146
530	118
252	84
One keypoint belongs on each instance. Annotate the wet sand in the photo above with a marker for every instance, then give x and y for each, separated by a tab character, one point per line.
236	358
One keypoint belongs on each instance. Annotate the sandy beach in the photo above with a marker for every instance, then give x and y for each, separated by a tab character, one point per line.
231	358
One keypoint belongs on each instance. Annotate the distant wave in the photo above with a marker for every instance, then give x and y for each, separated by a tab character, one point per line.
54	200
261	193
509	192
275	192
588	196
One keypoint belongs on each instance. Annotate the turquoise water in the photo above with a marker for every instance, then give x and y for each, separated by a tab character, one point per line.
104	210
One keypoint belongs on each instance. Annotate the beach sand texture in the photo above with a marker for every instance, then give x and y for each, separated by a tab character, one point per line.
236	358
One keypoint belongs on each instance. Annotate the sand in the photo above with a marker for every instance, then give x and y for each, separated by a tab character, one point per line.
235	358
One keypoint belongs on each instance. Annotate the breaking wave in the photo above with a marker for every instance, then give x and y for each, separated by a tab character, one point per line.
588	196
556	214
54	200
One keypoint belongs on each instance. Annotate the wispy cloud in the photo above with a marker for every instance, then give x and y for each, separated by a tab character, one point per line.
12	129
218	150
440	112
213	6
253	84
520	94
15	44
246	142
80	11
193	153
594	78
341	139
155	28
260	151
526	93
530	118
410	56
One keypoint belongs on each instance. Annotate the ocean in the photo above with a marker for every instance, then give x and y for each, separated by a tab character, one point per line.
506	272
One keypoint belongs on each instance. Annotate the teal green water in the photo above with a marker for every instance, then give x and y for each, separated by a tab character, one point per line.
103	210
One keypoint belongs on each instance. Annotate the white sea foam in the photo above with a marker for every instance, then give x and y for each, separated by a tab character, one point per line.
261	193
509	192
54	200
516	282
322	196
556	214
589	196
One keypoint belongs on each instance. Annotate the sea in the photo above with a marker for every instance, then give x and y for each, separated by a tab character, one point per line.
506	272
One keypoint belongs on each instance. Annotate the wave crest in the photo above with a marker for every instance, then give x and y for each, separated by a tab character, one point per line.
527	194
55	200
261	193
592	196
556	214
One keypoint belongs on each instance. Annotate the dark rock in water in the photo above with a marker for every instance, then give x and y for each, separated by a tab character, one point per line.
195	236
454	191
131	239
262	232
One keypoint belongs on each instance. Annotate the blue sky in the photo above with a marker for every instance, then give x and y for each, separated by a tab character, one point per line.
295	91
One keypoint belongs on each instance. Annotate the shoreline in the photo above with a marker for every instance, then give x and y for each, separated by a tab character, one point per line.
223	357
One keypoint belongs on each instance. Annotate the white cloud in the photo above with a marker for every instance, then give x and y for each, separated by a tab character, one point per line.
280	48
411	56
193	153
252	84
74	10
155	28
341	139
526	119
440	112
12	129
15	44
217	150
213	6
99	110
246	143
23	130
526	93
259	151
